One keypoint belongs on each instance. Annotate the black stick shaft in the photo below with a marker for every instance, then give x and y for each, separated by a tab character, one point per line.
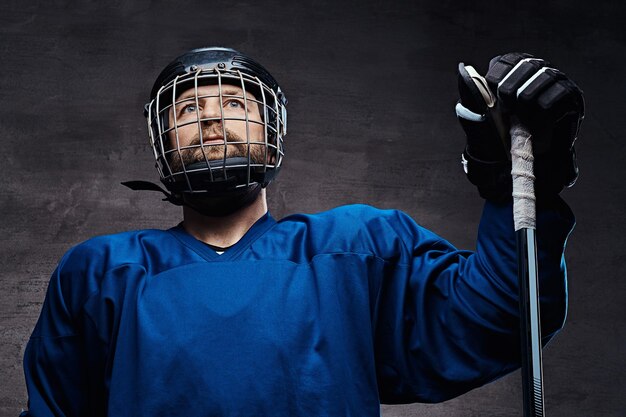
530	324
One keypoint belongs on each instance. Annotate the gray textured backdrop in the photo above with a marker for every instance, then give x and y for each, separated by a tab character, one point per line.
372	88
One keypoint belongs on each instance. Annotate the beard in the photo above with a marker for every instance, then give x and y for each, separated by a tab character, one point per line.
235	146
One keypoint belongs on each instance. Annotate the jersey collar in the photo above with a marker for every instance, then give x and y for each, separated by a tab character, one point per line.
257	229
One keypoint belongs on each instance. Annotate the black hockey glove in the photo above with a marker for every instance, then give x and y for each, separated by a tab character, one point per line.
519	86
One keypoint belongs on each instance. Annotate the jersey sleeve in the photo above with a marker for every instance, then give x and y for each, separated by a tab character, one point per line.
64	354
54	361
447	320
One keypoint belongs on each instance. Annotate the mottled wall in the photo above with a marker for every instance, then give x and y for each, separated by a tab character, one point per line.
372	88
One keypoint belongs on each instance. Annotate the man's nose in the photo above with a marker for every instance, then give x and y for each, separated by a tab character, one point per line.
212	110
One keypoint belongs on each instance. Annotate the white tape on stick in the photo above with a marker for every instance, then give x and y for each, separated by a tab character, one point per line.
523	178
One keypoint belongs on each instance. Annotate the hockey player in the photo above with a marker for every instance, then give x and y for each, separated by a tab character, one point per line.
233	313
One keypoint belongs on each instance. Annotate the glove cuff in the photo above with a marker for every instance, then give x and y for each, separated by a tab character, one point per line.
492	178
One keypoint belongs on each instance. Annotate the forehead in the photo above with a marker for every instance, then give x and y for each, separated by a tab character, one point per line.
214	90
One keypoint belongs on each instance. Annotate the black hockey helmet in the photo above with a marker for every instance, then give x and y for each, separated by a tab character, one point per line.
216	66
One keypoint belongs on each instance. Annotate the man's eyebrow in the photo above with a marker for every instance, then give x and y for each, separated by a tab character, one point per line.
187	94
227	90
233	91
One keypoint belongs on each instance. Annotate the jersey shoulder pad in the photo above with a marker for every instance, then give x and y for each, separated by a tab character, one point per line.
82	268
359	228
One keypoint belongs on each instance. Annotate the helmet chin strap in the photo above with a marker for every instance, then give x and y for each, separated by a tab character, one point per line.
222	204
212	205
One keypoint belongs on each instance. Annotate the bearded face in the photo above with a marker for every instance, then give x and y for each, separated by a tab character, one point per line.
236	146
202	121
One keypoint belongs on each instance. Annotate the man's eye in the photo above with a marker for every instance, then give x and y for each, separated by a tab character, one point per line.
234	104
190	108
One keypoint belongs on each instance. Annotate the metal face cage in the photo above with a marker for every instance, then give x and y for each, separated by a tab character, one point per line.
216	129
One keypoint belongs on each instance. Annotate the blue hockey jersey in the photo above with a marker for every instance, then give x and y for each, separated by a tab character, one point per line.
314	315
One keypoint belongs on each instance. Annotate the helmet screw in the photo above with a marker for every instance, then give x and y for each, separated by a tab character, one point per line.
221	65
194	68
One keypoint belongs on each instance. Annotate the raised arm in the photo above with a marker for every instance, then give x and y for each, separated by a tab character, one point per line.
448	320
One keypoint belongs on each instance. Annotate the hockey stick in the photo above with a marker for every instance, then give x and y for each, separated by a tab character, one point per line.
524	216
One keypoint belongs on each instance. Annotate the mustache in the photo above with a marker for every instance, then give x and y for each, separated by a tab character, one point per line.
230	137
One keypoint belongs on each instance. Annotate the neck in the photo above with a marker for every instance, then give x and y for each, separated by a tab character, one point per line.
227	230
